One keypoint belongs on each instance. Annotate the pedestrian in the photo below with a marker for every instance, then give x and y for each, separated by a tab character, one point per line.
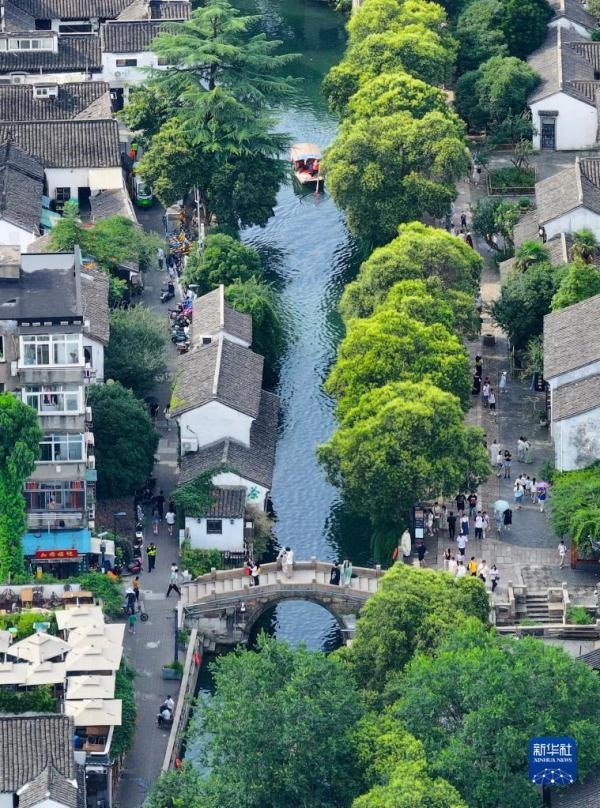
170	520
472	501
429	522
461	570
479	366
494	449
483	571
171	505
541	497
247	567
469	240
526	451
534	492
167	415
518	492
562	553
256	574
421	550
346	572
136	588
451	520
507	518
437	517
447	557
287	562
479	526
494	577
130	600
527	486
159	503
472	567
499	517
452	566
464	524
499	463
486	524
492	401
507	464
485	393
461	542
334	574
476	387
520	448
463	219
160	255
173	578
132	620
503	383
155	521
460	502
151	553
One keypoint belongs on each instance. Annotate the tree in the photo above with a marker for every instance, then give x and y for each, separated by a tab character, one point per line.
466	704
339	85
391	347
223	260
593	6
402	443
394	92
411	611
378	16
20	438
499	88
529	253
262	302
495	217
295	759
418	252
575	511
136	353
125	440
178	788
524	24
479	34
584	245
393	169
397	770
580	281
525	298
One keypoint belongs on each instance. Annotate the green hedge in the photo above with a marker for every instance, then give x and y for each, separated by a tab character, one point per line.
38	700
124	735
504	180
104	587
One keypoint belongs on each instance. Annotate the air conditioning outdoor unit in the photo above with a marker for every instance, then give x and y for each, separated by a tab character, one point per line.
14	369
91	462
189	445
88	413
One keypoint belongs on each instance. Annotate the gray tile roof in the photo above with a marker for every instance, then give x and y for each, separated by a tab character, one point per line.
559	249
221	371
575	186
30	743
579	795
561	64
15	19
129	37
213	316
71	9
592	658
574	11
83	100
21	188
94	297
228	503
572	337
526	229
170	10
48	287
254	463
67	144
49	784
112	203
76	52
576	398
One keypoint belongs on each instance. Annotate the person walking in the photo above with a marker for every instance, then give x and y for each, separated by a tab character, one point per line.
173	577
429	522
507	464
460	502
334	574
461	570
287	562
132	620
256	574
447	557
485	393
472	567
452	566
155	521
461	543
483	571
494	449
136	588
507	518
499	463
520	447
486	524
541	497
421	550
130	599
437	517
472	502
494	577
159	503
151	553
464	524
346	572
492	401
534	491
160	256
519	493
451	520
170	520
463	219
503	383
479	526
562	553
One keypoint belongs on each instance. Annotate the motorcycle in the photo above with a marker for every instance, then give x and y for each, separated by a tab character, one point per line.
133	568
168	293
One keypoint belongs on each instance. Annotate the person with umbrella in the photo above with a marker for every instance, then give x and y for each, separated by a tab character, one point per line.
500	506
542	492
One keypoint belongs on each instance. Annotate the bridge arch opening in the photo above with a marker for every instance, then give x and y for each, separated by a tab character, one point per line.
299	621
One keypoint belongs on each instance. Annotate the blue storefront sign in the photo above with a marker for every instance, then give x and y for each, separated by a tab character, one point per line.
553	760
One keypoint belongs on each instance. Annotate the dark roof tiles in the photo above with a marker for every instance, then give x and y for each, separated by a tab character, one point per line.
572	337
78	52
71	9
75	100
94	297
30	743
49	784
21	188
67	144
228	503
212	316
129	37
576	398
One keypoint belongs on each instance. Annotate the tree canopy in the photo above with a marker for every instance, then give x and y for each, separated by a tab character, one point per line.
398	91
579	282
124	439
402	443
136	353
224	259
418	252
20	438
479	34
524	25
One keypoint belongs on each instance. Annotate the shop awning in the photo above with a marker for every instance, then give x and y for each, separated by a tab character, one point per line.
80	540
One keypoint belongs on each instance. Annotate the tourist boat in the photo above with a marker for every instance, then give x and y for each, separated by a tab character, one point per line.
306	164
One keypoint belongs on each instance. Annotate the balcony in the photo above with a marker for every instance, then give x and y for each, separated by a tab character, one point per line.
45	521
51	420
43	374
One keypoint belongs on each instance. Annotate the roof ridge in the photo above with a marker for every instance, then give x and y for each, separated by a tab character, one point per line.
560	56
215	387
221	289
578	179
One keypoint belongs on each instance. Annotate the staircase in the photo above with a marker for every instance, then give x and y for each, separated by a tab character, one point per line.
533	608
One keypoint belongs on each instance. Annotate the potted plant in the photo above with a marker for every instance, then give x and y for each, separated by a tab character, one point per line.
172	670
183	637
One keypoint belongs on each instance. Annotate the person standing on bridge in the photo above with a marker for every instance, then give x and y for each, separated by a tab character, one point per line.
287	562
256	574
346	573
334	575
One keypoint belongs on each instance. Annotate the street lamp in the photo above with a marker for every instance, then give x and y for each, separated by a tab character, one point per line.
118	515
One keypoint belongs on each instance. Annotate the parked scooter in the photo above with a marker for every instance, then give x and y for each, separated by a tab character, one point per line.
168	293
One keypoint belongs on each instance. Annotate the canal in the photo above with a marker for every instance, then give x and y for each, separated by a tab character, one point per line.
310	257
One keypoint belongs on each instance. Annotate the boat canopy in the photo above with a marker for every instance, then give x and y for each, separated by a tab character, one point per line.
305	151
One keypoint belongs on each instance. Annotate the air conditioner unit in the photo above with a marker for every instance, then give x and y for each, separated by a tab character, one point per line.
189	445
14	369
88	413
91	462
118	74
89	438
18	78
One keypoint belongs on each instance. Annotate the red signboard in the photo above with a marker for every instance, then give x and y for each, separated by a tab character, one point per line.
42	555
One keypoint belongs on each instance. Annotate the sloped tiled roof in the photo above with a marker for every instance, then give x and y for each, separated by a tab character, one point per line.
71	9
170	10
67	144
83	100
30	743
49	784
213	316
576	398
21	188
562	65
129	37
575	186
112	203
579	795
94	296
574	11
526	229
572	337
78	52
221	371
254	463
228	503
15	19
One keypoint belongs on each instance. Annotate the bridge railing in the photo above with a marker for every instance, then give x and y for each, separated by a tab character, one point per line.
313	564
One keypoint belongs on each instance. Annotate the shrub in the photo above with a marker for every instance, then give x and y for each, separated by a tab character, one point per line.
106	589
124	735
504	180
38	700
579	616
198	562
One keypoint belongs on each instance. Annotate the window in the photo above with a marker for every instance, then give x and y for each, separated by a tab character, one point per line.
53	398
126	62
31	44
51	349
62	194
63	496
214	527
66	448
2	354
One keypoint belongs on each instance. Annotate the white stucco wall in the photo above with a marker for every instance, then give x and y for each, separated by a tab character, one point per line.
126	76
576	123
569	25
232	537
58	78
214	422
592	369
255	494
577	441
97	357
573	221
102	179
11	234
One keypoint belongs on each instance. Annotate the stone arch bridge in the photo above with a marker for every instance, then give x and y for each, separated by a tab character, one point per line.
224	607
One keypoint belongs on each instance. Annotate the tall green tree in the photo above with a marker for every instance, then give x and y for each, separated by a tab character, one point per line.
20	438
477	701
403	443
418	252
391	347
479	33
223	259
378	16
580	281
392	169
524	25
136	353
125	440
393	92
